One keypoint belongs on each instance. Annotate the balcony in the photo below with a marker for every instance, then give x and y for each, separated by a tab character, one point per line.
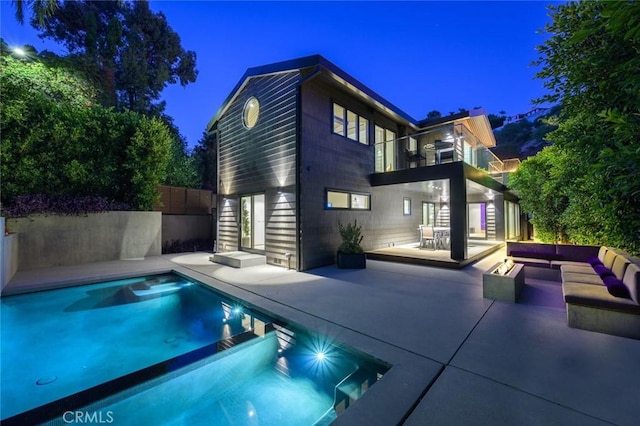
446	144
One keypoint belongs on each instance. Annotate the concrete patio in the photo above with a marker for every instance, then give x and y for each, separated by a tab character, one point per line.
456	358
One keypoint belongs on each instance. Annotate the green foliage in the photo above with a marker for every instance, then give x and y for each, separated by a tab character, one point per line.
39	8
147	155
57	141
524	138
543	194
182	168
131	50
351	235
590	65
496	120
205	158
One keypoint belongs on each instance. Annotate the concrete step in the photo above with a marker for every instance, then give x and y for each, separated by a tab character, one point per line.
238	259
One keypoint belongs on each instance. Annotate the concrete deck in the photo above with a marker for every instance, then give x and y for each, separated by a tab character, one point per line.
457	358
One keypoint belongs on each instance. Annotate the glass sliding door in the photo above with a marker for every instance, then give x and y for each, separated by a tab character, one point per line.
252	222
477	220
428	213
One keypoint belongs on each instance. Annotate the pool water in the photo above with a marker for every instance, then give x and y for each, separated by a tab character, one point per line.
164	349
242	387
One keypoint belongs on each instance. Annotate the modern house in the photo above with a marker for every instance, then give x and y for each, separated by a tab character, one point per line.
302	145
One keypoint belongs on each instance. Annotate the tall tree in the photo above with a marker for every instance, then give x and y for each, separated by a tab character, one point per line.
590	65
434	114
39	8
182	169
133	49
205	156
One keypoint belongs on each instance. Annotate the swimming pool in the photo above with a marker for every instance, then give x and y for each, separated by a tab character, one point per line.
171	349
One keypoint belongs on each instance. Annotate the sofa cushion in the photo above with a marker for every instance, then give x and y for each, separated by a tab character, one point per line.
619	266
603	271
580	269
616	287
597	296
575	277
631	279
609	258
594	260
529	261
536	255
603	250
533	248
558	264
577	253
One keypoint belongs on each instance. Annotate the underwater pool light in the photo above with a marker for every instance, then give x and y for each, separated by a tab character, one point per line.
320	356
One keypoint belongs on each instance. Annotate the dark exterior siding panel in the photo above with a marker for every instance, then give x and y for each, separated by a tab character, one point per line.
263	160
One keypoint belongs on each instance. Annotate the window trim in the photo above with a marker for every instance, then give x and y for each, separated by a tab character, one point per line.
349	195
345	125
245	113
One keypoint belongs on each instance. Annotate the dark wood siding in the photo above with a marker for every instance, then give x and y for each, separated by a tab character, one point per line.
329	161
336	162
261	160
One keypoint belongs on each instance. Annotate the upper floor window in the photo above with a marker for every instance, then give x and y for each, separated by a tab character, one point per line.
385	149
348	123
251	112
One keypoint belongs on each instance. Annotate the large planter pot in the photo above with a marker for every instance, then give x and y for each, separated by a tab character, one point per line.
352	260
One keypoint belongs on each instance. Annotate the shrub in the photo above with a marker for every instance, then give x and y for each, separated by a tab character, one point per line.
351	238
26	205
179	246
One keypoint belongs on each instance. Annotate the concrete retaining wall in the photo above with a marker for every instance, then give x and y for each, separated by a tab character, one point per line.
8	255
187	227
46	241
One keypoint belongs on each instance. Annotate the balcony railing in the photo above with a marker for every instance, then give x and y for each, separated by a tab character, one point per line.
446	144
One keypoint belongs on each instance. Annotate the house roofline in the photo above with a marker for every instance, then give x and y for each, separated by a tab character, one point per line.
306	62
322	65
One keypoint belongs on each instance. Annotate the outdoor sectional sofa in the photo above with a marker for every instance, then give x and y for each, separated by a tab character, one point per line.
601	285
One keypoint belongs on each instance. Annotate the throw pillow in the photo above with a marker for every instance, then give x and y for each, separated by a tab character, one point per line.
603	271
594	260
616	287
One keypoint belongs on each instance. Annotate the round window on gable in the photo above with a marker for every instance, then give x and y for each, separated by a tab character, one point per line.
251	112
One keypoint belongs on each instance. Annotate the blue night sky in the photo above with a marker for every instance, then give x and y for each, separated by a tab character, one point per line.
420	56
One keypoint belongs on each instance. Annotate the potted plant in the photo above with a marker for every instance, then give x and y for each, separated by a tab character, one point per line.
350	253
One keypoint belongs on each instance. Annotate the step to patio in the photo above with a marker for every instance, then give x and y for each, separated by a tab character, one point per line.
238	259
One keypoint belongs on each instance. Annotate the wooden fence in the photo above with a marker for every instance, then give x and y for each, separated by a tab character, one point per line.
179	200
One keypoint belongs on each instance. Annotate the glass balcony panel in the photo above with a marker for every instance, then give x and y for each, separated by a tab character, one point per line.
445	144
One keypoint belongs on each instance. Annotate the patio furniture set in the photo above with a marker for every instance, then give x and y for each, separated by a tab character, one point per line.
439	238
601	285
